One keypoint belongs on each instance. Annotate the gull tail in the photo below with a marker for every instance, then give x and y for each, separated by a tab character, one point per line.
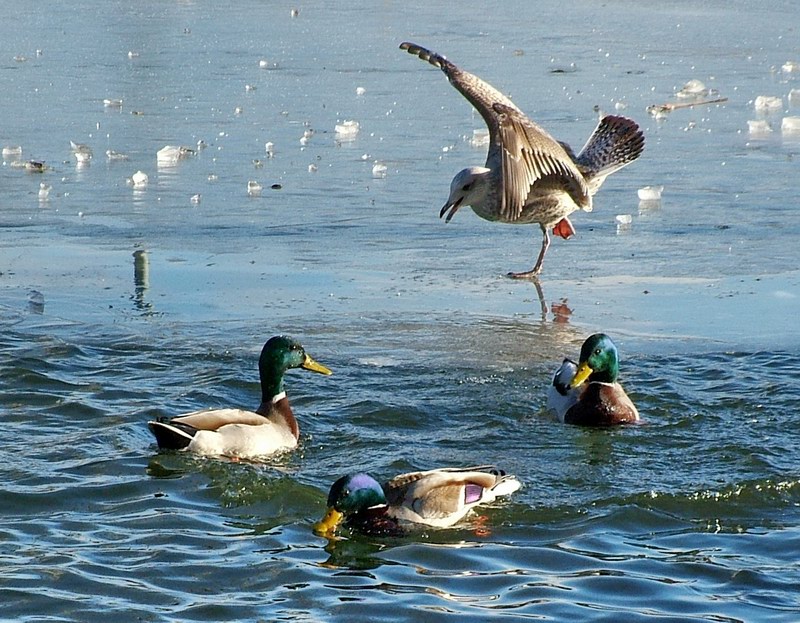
615	143
437	60
171	435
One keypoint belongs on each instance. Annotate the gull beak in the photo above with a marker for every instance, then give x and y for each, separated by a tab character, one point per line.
583	373
327	525
310	364
452	207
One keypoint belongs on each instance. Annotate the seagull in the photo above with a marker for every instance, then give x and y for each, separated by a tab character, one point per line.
530	177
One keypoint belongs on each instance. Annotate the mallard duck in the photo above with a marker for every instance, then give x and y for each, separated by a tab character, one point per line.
530	177
239	433
587	393
439	498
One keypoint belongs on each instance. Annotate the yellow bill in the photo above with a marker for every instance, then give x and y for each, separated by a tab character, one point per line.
327	525
583	373
310	364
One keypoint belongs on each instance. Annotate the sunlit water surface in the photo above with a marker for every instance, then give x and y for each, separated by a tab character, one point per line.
120	305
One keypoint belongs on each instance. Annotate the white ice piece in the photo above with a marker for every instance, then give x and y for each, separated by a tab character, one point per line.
254	188
623	219
693	88
269	147
139	180
791	67
360	90
768	102
12	151
347	130
790	125
650	193
379	169
170	154
759	127
44	191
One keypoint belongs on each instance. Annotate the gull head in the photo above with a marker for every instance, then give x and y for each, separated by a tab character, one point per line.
469	187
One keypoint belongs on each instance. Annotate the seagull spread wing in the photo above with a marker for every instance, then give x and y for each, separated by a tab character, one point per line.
529	154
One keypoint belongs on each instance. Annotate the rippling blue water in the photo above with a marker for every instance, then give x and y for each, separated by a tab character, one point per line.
119	306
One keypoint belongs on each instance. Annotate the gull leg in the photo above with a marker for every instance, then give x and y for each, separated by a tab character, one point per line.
533	273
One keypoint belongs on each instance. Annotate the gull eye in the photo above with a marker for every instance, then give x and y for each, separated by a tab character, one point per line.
467	186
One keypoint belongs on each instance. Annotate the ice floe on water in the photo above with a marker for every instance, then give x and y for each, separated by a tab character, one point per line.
269	148
693	89
115	155
790	125
360	90
650	193
44	191
254	188
759	127
379	169
791	67
112	103
767	103
347	130
139	180
170	154
12	152
82	152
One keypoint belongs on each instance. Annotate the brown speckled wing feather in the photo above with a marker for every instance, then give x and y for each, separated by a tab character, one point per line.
530	154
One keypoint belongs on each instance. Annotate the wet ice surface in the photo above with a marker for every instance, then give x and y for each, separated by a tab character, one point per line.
122	302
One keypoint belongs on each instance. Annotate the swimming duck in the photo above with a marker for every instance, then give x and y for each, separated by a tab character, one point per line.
587	393
238	433
439	498
529	176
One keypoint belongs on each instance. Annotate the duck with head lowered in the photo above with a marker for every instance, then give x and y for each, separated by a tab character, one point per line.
438	498
588	393
238	433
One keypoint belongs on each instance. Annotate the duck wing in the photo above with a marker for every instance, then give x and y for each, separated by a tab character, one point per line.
441	497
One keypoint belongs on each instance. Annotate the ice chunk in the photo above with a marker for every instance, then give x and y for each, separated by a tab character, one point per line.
650	193
791	67
768	102
115	155
693	88
794	96
347	130
254	188
312	168
12	151
265	64
170	154
790	125
112	103
294	12
139	180
44	191
269	147
759	127
83	153
360	90
623	219
195	199
379	169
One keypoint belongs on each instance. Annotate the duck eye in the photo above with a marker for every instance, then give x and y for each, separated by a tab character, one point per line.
597	352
